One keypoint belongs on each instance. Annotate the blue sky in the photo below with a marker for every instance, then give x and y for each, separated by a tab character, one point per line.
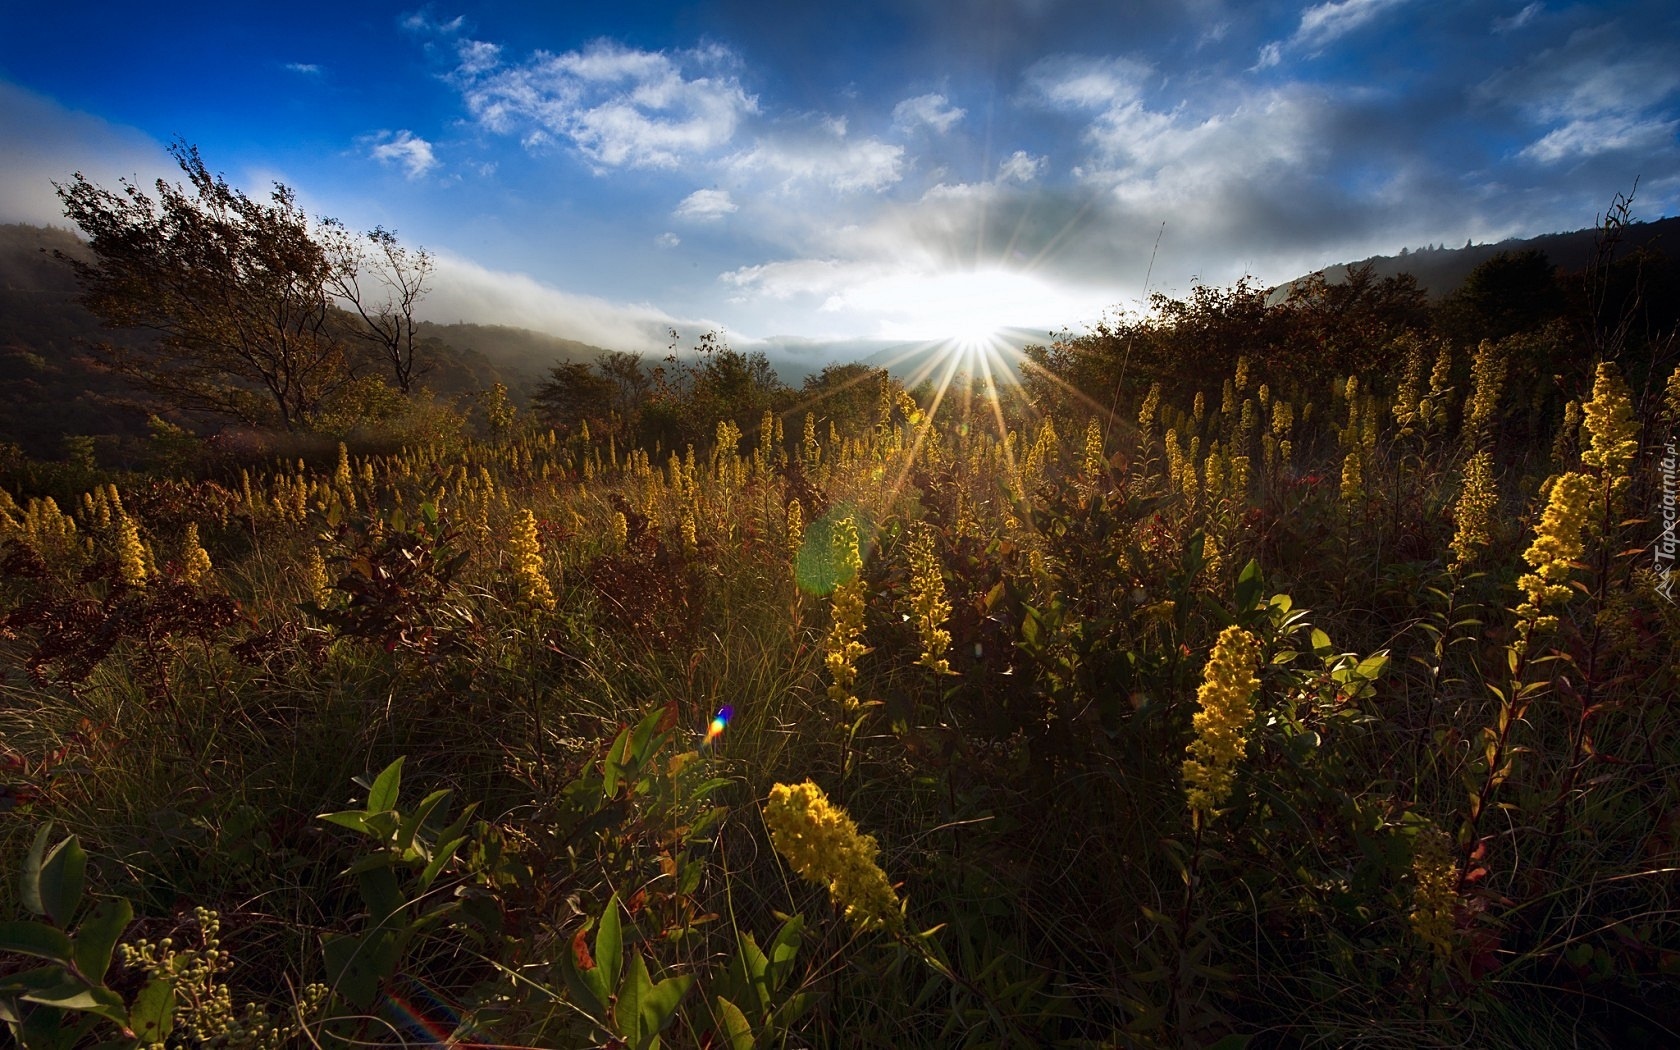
827	175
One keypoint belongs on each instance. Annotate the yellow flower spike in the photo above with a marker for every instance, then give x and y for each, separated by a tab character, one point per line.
822	844
525	555
195	560
1613	433
1487	377
843	648
1226	698
620	531
1557	546
928	605
131	553
1434	891
1478	496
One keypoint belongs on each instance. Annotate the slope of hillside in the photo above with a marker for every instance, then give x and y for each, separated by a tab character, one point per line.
1440	270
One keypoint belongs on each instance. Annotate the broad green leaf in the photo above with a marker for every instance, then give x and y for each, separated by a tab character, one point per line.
783	948
627	1011
613	768
354	819
72	994
609	946
30	882
97	936
37	939
442	857
380	892
152	1017
733	1026
382	796
62	877
411	825
1249	586
660	1003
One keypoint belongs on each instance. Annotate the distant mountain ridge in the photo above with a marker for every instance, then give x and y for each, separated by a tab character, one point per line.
1440	270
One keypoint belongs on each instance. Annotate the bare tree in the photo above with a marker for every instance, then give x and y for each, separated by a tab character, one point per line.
383	282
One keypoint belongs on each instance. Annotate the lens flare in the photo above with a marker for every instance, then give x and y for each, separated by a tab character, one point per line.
720	721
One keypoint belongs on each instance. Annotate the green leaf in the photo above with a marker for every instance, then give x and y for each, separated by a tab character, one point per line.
609	946
382	796
380	892
733	1025
442	857
30	882
72	994
37	939
152	1017
416	820
613	768
354	819
97	936
783	948
627	1011
1250	584
61	880
660	1004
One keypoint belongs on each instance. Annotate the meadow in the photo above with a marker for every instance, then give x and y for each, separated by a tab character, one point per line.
1315	711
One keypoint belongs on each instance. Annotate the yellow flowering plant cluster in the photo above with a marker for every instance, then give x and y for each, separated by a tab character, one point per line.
1478	496
1434	890
1613	434
525	558
928	605
844	649
822	844
1557	546
195	560
1226	700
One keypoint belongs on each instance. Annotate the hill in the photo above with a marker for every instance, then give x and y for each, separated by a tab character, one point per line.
1440	270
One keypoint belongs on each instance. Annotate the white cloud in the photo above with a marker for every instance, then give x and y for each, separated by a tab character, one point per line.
1323	23
705	205
1078	82
932	110
841	164
42	142
620	107
667	240
1587	138
466	291
1022	166
1595	93
421	22
403	148
476	57
1518	20
308	69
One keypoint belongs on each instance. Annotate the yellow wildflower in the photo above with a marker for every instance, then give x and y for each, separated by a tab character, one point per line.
1477	499
525	555
1226	697
824	846
1557	545
195	560
1487	377
1609	421
843	648
131	553
928	605
1434	891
